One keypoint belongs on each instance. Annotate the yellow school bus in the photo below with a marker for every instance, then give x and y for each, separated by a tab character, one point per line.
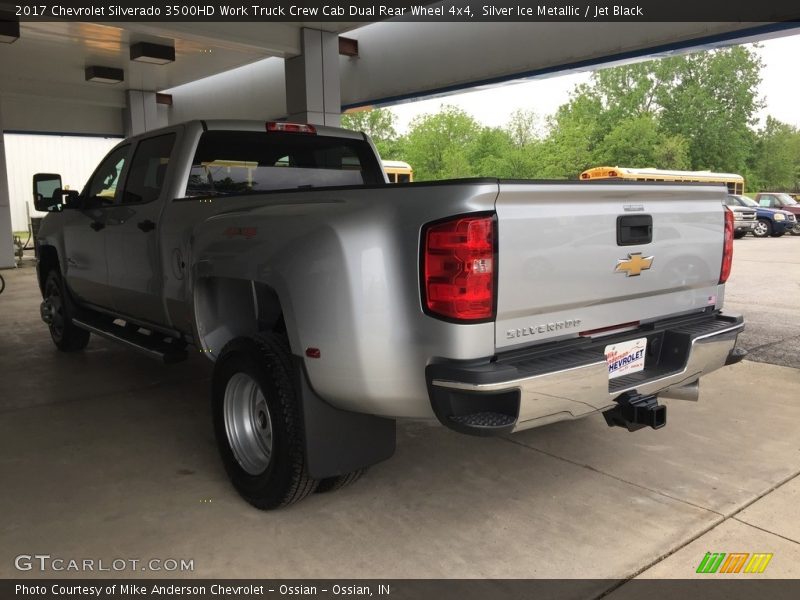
734	182
398	171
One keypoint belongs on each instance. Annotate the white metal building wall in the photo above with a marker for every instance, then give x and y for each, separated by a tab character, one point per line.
73	157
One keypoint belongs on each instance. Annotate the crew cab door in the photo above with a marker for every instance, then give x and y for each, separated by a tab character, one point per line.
85	266
132	241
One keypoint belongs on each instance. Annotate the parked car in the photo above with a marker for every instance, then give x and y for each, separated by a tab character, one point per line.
781	201
744	217
333	303
769	221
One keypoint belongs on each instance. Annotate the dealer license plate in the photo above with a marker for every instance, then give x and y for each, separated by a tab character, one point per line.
625	358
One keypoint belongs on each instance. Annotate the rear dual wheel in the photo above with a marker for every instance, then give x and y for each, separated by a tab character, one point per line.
258	424
331	484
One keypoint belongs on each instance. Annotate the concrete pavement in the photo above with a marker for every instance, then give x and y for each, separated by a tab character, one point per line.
106	454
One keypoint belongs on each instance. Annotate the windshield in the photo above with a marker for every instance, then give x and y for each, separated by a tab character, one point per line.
786	199
745	201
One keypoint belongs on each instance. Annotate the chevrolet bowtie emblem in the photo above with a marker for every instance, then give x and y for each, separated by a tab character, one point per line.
634	264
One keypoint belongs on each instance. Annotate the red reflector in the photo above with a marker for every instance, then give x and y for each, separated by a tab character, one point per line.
313	352
612	173
459	268
727	247
291	127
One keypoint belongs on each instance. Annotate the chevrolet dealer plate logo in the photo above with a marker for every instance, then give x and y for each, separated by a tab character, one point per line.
634	264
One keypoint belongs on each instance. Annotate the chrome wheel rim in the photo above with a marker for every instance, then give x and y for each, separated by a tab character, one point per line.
760	228
247	423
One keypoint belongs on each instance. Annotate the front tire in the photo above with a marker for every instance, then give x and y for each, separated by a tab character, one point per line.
58	307
763	228
796	229
257	422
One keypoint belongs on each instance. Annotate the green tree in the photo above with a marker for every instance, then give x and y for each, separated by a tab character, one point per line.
630	91
693	112
438	145
777	159
672	153
632	142
522	127
380	125
574	133
638	142
712	102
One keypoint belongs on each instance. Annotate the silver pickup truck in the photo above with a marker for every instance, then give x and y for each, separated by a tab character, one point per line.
333	303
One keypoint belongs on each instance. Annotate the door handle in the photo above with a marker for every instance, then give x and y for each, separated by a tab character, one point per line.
146	225
97	225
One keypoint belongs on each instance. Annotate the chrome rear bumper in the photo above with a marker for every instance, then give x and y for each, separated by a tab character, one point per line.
570	380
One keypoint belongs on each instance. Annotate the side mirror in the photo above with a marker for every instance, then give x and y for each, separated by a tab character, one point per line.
45	186
72	199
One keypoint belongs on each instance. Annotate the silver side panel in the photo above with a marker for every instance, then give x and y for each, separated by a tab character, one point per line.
558	253
344	264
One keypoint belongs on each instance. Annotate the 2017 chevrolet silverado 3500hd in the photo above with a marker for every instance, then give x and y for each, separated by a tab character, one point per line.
333	303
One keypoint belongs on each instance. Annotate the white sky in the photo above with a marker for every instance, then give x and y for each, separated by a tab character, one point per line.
780	88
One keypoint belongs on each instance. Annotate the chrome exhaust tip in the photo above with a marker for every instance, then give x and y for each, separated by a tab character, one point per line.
690	392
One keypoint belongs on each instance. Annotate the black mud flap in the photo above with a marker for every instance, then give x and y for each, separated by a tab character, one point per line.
339	441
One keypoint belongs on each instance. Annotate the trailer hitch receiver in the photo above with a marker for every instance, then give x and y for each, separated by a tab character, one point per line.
634	411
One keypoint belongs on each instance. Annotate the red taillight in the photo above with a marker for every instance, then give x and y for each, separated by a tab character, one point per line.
291	127
727	248
459	267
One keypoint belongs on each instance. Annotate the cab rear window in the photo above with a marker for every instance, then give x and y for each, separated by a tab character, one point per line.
240	162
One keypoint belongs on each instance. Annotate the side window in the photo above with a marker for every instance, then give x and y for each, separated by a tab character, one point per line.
103	184
765	201
148	169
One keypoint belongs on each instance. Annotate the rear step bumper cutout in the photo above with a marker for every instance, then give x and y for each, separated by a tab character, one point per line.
737	355
566	380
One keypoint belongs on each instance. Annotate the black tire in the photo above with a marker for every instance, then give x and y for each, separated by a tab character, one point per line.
331	484
763	228
739	234
66	336
2	284
264	359
795	230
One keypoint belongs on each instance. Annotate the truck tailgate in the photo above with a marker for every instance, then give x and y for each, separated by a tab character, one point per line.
574	257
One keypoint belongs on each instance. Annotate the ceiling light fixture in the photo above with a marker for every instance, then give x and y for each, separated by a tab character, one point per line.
104	74
155	54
